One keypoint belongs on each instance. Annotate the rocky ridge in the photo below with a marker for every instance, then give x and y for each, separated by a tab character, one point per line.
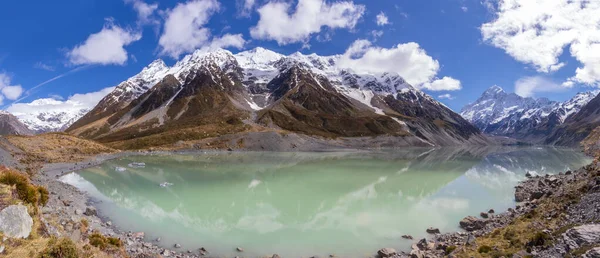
262	90
10	125
500	113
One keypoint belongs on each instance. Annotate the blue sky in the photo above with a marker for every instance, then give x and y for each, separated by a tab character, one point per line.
39	39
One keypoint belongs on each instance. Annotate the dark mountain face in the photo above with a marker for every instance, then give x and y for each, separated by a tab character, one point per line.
307	103
10	125
578	126
211	94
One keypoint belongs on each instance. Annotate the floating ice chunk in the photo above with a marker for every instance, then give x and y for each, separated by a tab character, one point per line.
253	184
137	165
165	184
120	169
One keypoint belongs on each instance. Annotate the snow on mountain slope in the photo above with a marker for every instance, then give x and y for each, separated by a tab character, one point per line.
508	114
50	115
258	67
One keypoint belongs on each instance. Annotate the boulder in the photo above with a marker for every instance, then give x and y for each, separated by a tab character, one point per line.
407	237
90	211
588	234
386	252
239	249
484	215
537	194
15	221
417	254
521	195
275	256
471	223
592	253
422	244
433	230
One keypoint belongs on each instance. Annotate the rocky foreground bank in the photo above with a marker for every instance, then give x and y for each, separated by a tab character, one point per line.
557	216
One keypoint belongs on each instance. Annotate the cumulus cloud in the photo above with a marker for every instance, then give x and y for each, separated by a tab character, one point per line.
537	33
446	96
105	47
184	29
75	103
529	86
382	19
409	60
446	83
278	22
228	40
464	8
145	11
7	90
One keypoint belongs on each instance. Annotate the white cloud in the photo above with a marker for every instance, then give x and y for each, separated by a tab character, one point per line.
9	91
446	83
40	65
382	19
446	96
277	21
184	29
105	47
529	86
464	9
145	11
409	60
537	33
74	103
245	7
228	40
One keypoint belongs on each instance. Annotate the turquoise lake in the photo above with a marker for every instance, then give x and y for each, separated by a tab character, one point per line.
348	203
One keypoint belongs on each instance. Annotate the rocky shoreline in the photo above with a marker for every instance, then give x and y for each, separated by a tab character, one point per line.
68	206
564	210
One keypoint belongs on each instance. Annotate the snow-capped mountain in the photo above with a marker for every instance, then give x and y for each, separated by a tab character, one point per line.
49	115
310	94
508	114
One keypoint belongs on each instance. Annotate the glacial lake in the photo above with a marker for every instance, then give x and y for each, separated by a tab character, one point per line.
300	204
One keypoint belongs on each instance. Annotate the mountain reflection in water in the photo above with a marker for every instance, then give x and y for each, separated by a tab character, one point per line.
312	203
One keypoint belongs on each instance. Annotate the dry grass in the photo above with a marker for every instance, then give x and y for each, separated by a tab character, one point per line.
56	148
39	243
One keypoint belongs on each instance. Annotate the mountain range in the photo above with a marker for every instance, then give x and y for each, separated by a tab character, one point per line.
499	113
216	93
262	96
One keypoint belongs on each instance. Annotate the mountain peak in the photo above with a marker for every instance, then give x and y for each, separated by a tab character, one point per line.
494	90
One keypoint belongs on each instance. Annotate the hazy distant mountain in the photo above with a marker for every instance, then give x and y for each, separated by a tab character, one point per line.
10	125
207	94
49	115
508	114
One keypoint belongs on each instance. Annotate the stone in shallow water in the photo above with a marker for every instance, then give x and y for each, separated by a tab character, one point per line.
471	223
386	252
15	222
432	230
